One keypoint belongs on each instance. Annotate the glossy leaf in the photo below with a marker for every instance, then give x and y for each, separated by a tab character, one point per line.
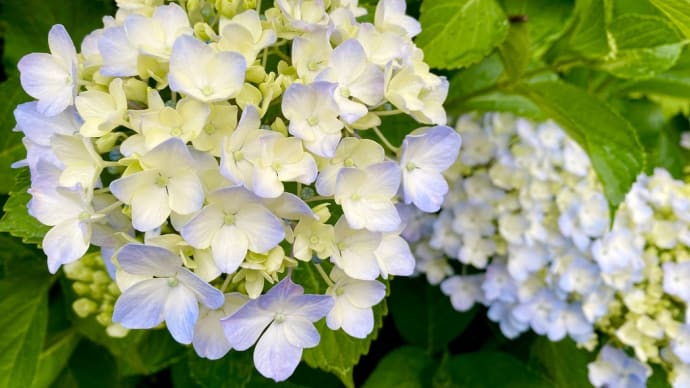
11	147
645	46
16	220
562	361
493	369
515	50
610	141
54	358
586	35
458	33
404	367
24	319
678	11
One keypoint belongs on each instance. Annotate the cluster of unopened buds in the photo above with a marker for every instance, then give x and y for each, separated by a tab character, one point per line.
525	231
209	152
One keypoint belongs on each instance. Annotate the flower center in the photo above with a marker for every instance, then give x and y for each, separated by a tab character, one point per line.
161	181
229	219
84	216
279	317
210	129
314	240
173	282
349	162
313	120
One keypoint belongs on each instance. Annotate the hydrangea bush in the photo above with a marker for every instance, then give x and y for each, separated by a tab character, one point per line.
208	192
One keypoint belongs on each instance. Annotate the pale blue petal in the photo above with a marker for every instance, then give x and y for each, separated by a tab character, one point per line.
141	305
139	259
208	295
181	312
274	356
300	332
244	327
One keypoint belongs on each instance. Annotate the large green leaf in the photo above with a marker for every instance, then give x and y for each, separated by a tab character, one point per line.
493	369
586	34
337	352
458	33
424	316
645	46
610	141
500	102
23	319
11	147
16	220
404	367
563	362
678	11
545	19
515	50
54	358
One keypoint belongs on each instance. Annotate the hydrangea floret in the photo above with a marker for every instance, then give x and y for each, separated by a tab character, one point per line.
525	230
208	152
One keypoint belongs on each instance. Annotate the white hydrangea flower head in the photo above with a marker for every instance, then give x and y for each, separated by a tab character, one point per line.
203	152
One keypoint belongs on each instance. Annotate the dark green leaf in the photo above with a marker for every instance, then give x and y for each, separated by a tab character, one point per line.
610	141
458	33
645	46
337	352
54	358
586	35
90	366
493	369
678	11
424	316
405	367
23	318
28	21
16	220
563	362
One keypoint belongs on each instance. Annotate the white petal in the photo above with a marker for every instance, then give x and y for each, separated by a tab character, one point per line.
209	340
66	242
263	230
364	294
394	256
186	193
61	45
426	189
274	356
201	229
357	322
125	188
300	332
150	208
229	247
208	295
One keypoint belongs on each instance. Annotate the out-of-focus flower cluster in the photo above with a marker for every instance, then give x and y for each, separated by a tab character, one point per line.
525	231
207	149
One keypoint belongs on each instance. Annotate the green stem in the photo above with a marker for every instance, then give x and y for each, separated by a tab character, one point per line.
392	112
324	275
385	141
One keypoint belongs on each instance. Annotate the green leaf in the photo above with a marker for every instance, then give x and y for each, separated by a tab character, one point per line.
140	352
545	19
337	352
16	258
562	361
404	367
90	366
515	50
500	102
27	23
610	141
54	358
586	35
424	316
458	33
645	46
11	146
474	79
24	319
678	11
493	369
16	220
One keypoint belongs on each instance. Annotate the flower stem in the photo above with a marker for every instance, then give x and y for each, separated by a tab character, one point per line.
385	141
324	275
